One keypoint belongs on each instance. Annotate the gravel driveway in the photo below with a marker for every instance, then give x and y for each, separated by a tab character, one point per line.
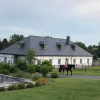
78	76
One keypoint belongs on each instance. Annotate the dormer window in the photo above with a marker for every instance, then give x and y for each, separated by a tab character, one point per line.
20	44
43	44
74	46
60	46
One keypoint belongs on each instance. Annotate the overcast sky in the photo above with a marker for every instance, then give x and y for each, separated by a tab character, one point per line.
79	19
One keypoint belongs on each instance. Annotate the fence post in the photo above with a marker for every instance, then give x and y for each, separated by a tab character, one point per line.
85	68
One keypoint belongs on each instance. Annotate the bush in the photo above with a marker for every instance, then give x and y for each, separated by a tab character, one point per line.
31	69
13	87
21	86
2	89
54	75
20	74
41	80
48	64
5	71
30	85
37	68
22	65
36	76
13	69
37	84
44	70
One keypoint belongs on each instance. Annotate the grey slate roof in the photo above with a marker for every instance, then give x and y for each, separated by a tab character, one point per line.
52	49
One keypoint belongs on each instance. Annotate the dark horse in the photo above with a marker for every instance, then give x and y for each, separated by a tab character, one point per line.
69	68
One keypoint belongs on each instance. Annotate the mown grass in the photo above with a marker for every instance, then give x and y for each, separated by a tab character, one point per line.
60	89
92	71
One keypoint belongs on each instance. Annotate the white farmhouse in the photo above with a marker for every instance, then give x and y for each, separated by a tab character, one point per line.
54	49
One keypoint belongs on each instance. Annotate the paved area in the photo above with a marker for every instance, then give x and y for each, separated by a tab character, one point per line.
78	76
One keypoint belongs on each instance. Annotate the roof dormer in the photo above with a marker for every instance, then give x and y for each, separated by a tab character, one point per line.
60	45
43	44
74	46
20	44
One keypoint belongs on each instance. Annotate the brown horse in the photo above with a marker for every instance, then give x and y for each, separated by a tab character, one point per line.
69	68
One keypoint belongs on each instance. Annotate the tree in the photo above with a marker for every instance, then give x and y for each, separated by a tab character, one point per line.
82	45
31	56
16	37
48	36
5	43
1	45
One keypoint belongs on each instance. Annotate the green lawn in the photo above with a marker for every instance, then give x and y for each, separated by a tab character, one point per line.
92	71
61	89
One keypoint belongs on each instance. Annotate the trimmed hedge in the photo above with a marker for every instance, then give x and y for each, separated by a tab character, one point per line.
13	87
54	75
21	86
37	84
2	89
30	85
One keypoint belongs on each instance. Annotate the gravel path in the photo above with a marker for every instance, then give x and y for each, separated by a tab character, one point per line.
78	76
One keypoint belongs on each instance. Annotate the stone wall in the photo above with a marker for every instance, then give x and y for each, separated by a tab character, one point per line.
11	79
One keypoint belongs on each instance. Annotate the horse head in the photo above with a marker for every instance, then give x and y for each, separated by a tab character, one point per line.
74	67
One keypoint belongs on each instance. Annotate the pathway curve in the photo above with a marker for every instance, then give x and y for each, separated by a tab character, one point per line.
78	76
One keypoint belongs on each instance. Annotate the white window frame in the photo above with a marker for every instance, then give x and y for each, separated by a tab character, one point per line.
80	61
59	61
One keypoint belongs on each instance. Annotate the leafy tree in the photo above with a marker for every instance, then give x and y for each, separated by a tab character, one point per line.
95	57
82	45
5	43
16	38
48	36
1	45
31	56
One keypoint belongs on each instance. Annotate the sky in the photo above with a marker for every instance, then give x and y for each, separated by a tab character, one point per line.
79	19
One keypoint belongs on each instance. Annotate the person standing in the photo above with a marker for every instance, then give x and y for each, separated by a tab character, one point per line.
66	63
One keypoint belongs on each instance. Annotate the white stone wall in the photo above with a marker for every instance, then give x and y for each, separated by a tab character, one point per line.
10	58
70	60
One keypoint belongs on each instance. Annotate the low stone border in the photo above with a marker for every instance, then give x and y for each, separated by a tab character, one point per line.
6	80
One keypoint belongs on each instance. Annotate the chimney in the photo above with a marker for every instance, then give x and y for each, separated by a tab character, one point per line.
68	40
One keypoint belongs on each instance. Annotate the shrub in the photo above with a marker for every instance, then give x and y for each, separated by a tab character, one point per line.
41	80
44	70
22	65
21	86
37	84
36	76
54	75
30	85
5	71
37	68
13	87
2	89
13	69
48	63
19	74
31	69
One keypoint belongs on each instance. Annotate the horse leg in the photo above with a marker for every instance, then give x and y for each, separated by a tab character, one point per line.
63	71
67	72
71	72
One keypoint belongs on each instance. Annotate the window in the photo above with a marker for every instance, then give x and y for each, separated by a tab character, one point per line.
51	61
59	61
75	47
39	61
80	61
5	59
62	47
88	61
45	46
74	61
